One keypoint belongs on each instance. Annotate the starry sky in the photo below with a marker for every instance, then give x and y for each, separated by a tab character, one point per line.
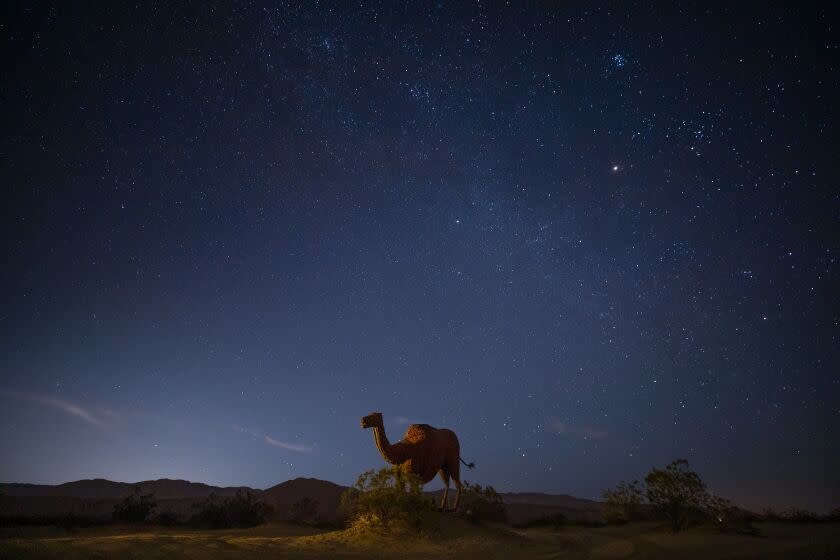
590	240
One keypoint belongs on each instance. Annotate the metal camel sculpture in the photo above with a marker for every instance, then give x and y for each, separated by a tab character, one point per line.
424	451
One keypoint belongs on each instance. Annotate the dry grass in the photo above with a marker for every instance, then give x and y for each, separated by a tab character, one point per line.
443	537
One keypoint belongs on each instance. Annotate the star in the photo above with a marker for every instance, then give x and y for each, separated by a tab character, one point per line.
281	225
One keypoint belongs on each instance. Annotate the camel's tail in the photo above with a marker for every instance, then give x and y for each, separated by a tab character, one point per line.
469	465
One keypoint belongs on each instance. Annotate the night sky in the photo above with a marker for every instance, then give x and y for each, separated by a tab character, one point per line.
589	240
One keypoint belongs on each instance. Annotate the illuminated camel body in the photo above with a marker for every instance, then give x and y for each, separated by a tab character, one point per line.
424	451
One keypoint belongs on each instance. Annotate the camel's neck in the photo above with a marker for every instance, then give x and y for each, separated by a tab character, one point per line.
384	446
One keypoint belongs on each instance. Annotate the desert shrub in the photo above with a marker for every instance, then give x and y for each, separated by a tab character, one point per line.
481	503
622	503
211	513
797	515
71	522
304	511
134	508
769	514
676	491
721	512
166	519
385	497
241	510
728	518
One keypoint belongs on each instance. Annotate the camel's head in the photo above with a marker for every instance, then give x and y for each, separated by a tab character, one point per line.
371	420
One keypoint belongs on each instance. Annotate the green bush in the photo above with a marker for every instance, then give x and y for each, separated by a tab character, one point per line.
134	508
677	492
241	510
481	503
622	504
383	498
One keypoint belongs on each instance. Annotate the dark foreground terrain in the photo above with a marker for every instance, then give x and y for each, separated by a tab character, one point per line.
445	537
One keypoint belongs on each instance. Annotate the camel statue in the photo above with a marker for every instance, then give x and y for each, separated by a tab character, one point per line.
424	451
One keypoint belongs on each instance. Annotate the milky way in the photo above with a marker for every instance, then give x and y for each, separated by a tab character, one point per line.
590	241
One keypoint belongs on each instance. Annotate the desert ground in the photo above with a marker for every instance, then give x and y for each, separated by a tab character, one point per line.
445	537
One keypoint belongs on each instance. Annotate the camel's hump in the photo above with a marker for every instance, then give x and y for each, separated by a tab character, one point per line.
417	432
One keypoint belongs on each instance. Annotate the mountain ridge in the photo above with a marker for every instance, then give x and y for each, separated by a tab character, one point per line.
77	488
99	493
91	488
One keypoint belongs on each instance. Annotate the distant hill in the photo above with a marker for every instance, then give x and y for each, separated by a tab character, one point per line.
285	494
558	500
97	497
100	488
525	506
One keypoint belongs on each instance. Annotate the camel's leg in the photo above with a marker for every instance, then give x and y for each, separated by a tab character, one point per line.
457	479
444	476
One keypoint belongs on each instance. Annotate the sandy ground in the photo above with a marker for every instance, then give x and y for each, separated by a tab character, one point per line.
452	538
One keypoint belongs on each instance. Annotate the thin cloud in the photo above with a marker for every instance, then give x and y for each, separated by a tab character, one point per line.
290	446
586	432
65	406
402	420
271	441
72	409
